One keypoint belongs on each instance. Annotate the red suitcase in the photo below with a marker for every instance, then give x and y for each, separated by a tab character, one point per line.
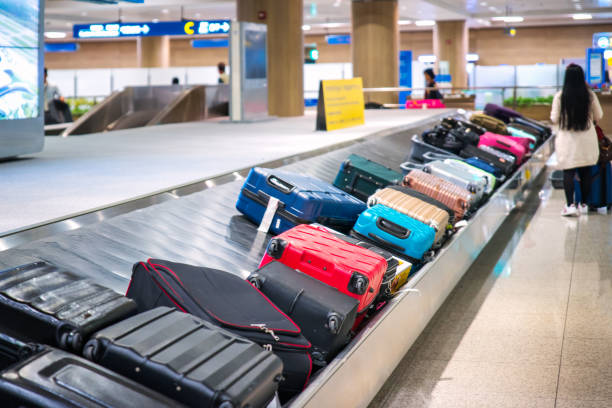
353	270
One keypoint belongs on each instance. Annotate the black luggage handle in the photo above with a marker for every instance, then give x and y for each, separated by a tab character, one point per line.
279	184
385	243
17	350
392	228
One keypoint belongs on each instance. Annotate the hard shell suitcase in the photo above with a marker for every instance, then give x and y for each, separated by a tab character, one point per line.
527	130
230	302
324	314
475	184
601	187
36	376
490	123
491	179
486	167
543	130
303	200
395	231
397	271
501	113
504	154
188	359
506	143
353	270
456	198
418	206
506	167
361	177
42	303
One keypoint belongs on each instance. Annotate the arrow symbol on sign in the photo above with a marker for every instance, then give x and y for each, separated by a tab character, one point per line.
145	29
225	26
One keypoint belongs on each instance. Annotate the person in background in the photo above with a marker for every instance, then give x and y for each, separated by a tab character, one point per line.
51	93
223	77
574	110
430	82
175	81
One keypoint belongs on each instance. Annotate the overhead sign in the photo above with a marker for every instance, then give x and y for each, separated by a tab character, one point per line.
340	104
602	40
338	39
115	30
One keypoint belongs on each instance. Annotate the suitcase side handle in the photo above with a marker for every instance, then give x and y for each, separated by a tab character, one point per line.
392	228
280	184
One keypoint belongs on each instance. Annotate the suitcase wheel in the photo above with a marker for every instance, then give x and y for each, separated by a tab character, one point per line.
71	340
255	280
358	284
472	189
276	247
429	256
226	404
372	201
334	321
90	351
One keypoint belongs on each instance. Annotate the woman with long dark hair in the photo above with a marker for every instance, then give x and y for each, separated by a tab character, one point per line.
574	110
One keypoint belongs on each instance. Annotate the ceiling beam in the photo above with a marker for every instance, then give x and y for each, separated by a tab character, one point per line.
449	7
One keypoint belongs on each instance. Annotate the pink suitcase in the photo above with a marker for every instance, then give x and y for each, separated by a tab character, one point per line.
429	103
507	143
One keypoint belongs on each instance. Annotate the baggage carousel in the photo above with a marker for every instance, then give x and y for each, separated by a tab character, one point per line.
198	224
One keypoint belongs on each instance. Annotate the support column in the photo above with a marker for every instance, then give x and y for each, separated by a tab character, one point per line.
285	51
375	46
154	52
450	43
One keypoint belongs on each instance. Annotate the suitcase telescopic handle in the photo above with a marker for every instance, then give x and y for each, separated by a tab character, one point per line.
280	184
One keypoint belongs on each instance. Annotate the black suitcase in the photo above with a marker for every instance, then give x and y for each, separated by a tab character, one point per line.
35	376
542	130
472	151
228	301
42	303
187	359
324	314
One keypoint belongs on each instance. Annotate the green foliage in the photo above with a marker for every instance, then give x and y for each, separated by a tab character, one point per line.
526	102
80	106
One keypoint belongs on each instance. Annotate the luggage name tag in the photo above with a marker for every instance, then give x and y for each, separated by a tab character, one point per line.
401	275
268	216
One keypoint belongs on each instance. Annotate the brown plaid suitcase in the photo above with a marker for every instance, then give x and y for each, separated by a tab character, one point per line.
456	198
416	205
490	123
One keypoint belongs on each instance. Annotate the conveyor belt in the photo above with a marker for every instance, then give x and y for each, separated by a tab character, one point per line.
202	228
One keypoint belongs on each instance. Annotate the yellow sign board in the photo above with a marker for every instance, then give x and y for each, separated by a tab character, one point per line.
340	104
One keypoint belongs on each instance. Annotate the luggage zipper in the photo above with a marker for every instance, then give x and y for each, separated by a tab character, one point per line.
262	327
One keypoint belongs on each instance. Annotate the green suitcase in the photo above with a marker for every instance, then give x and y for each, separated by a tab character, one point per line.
361	177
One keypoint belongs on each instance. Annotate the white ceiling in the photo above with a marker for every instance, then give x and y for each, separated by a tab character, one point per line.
333	15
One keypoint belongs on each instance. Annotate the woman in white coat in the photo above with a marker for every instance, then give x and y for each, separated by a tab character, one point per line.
574	110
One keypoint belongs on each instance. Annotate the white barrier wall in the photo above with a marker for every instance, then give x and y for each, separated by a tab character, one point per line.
101	82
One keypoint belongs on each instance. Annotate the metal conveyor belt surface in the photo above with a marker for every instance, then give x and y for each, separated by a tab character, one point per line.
203	228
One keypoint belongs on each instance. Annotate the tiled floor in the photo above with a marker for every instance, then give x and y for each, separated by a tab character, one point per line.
530	325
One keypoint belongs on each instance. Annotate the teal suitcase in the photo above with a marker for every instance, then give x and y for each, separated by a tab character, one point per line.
361	177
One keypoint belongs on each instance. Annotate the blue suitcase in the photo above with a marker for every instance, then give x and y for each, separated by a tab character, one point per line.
395	231
482	165
601	187
303	200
